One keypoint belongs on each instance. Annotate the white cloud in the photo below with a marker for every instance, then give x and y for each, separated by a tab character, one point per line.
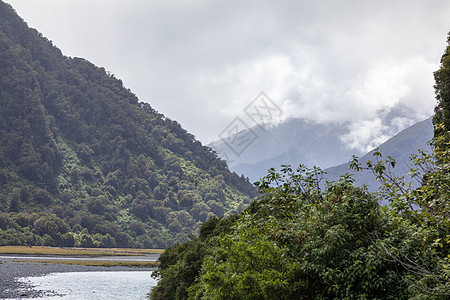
385	88
202	62
366	135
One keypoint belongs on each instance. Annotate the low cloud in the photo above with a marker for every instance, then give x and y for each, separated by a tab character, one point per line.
202	62
365	135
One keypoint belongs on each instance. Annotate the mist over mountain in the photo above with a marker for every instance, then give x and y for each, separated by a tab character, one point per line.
290	142
401	147
84	163
300	141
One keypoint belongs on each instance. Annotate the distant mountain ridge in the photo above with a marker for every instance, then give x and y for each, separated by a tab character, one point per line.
291	142
297	141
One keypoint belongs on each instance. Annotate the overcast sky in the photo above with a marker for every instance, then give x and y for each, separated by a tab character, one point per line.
202	62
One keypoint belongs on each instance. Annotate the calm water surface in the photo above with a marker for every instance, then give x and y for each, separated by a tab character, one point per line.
95	285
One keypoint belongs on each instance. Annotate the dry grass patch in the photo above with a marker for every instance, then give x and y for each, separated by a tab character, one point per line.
93	252
97	263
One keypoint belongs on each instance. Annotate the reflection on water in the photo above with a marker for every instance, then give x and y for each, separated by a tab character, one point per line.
95	285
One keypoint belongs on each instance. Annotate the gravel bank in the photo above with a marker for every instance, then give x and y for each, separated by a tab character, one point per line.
9	271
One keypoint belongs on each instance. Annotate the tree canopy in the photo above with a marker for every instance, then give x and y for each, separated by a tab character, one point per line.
304	240
442	89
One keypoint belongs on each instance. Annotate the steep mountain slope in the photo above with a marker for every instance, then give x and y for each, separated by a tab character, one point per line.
401	146
83	162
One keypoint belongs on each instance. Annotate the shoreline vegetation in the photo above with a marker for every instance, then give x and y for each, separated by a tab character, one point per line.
83	252
96	263
92	252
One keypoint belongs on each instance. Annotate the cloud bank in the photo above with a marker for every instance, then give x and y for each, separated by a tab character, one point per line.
202	62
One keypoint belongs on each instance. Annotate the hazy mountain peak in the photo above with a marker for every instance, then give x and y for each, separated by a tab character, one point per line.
300	141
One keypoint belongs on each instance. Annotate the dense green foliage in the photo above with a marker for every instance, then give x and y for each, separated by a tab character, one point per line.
442	88
181	264
78	150
302	241
299	242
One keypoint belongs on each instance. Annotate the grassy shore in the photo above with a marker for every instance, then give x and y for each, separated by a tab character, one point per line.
91	252
97	263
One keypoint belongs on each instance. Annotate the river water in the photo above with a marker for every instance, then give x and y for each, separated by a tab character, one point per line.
94	285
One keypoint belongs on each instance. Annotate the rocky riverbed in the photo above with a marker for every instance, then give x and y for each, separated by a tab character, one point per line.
11	288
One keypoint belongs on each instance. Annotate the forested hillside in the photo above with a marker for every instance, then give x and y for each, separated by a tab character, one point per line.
84	163
304	240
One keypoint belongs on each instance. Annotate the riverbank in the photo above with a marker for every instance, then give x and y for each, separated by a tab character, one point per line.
148	261
91	252
10	271
82	256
